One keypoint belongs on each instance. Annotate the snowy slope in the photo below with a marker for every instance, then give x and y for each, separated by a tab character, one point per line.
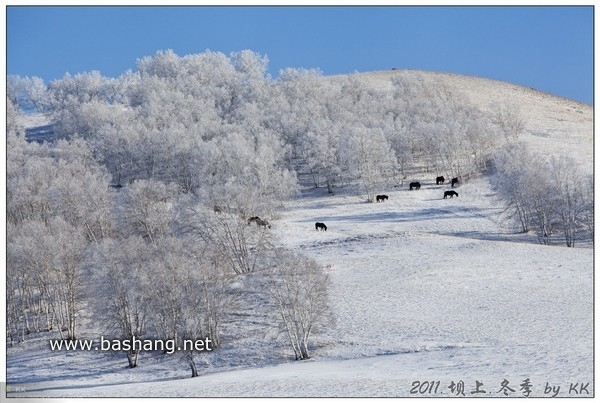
424	289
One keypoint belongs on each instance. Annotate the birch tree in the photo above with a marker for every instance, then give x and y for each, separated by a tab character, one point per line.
299	288
509	119
120	290
568	192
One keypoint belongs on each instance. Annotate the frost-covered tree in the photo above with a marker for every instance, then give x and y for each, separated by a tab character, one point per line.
120	290
441	128
569	196
189	295
47	261
29	175
81	105
319	149
209	298
554	201
238	242
14	122
28	292
148	208
299	289
245	173
27	93
509	119
587	217
511	181
367	154
65	181
300	94
80	193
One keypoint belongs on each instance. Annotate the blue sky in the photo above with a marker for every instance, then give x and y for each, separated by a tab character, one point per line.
546	48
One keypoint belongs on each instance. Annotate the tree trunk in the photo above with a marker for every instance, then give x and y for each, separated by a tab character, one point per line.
132	357
193	368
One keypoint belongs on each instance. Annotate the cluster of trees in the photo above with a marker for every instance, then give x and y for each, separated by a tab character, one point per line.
219	126
145	261
550	195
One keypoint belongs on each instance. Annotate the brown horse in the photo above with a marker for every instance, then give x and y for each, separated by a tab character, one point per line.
260	222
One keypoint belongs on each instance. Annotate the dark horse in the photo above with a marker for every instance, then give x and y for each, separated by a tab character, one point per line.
260	222
381	198
454	181
450	193
439	180
415	185
320	226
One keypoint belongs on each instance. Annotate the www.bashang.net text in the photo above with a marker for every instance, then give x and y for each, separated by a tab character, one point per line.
168	346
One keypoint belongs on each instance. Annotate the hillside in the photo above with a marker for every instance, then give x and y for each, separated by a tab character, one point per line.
425	289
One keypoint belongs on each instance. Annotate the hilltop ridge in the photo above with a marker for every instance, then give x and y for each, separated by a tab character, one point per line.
552	123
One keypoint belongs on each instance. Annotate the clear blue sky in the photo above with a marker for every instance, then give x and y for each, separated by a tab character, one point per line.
546	48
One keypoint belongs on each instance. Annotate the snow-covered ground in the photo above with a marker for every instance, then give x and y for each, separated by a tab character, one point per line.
425	289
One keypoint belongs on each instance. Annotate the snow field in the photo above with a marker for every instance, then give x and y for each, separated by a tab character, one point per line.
424	289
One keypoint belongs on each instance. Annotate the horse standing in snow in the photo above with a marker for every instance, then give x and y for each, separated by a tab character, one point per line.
381	198
320	226
260	222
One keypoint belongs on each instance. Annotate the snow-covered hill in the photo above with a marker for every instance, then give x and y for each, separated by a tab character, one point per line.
428	292
554	124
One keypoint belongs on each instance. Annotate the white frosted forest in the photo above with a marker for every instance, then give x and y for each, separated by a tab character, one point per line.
178	202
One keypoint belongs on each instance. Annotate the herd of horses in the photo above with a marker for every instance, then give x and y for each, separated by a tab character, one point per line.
319	226
417	185
413	185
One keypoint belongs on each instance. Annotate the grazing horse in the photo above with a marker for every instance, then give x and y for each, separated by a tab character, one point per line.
260	222
415	185
381	198
450	193
320	226
439	180
454	181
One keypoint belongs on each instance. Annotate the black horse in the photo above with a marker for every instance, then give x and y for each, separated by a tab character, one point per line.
439	180
454	181
381	198
415	185
320	226
450	193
